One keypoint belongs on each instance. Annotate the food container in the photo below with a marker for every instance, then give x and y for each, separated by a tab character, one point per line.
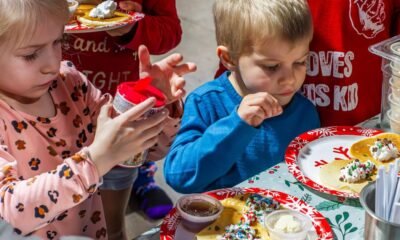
273	222
130	94
376	228
198	211
72	6
389	50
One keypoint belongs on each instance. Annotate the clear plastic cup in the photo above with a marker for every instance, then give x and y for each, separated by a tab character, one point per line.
394	121
394	104
198	211
395	88
72	6
270	221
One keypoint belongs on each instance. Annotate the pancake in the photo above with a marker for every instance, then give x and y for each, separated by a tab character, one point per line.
232	214
360	149
82	15
330	177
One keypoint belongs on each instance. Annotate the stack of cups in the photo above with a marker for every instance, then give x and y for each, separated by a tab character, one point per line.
130	94
394	96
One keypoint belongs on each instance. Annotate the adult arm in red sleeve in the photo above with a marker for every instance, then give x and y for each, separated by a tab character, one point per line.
160	30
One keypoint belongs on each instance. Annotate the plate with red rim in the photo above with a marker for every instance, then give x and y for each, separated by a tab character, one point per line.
171	228
308	152
75	26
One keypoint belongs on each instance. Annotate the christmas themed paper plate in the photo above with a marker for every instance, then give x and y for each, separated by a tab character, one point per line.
309	152
74	26
171	227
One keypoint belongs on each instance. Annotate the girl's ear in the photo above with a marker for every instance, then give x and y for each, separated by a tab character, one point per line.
225	58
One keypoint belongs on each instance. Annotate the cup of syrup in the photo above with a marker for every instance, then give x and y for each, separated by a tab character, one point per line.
198	211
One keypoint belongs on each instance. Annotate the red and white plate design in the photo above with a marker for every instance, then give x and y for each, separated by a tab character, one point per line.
308	152
76	27
171	229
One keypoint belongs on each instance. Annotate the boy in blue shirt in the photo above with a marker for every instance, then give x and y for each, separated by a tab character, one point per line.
241	123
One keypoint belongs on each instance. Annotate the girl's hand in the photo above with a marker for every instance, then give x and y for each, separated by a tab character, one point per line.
167	73
120	138
255	108
127	6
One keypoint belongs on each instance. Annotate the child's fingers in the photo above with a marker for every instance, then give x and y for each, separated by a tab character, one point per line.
137	111
105	112
185	68
144	59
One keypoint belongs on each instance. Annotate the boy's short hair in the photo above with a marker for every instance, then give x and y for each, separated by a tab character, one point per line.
242	24
19	18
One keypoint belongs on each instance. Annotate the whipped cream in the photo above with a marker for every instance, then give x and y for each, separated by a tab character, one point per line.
105	9
288	224
384	150
356	171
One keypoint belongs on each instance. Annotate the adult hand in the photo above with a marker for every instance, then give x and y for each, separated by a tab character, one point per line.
127	6
255	108
166	73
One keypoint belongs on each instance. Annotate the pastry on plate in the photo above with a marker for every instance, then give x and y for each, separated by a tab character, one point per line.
241	215
90	15
348	175
381	149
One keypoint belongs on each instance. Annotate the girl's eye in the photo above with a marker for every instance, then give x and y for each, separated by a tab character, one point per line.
30	57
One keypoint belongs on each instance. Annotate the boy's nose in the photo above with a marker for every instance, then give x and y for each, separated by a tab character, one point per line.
288	77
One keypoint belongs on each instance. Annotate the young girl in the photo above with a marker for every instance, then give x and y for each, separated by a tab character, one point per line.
109	58
53	154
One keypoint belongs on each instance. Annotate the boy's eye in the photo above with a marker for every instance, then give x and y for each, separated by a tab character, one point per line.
302	63
272	68
30	57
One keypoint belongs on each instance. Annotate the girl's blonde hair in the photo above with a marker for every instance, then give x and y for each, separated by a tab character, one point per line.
19	18
241	25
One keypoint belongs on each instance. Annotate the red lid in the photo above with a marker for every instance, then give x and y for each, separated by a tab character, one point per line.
137	92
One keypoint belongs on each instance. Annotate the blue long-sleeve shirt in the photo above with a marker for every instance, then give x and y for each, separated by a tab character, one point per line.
215	148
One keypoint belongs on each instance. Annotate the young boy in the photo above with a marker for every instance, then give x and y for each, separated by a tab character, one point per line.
241	123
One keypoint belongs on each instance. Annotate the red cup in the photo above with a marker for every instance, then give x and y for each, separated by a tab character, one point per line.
130	94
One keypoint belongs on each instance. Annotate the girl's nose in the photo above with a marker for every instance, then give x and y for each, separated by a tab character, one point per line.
52	61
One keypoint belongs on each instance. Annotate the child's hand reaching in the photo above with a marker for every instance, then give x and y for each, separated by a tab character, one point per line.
120	138
127	6
167	73
255	108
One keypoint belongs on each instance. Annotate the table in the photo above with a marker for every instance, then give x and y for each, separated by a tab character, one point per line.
346	216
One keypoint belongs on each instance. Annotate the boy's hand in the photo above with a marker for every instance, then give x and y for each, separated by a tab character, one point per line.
255	108
166	73
127	6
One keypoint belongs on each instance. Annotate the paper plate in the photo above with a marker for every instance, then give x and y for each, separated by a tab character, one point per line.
76	27
308	152
171	228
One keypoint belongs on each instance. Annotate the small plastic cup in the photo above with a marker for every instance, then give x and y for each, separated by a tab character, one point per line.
394	121
395	88
198	211
394	104
270	221
72	6
130	94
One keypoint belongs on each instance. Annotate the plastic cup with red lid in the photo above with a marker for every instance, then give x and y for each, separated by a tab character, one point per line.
130	94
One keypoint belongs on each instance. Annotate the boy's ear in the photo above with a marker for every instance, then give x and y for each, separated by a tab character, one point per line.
225	58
